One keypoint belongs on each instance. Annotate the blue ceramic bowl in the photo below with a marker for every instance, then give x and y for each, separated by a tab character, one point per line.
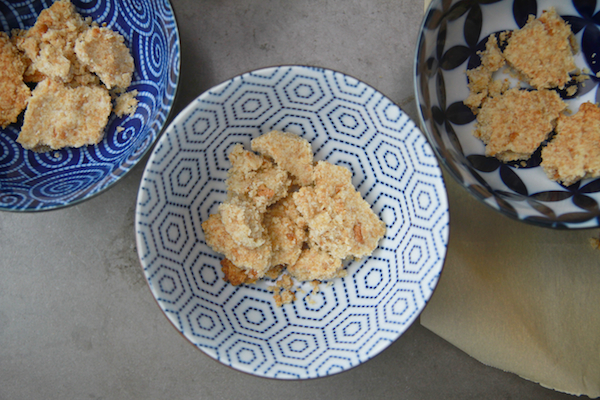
451	34
43	181
347	123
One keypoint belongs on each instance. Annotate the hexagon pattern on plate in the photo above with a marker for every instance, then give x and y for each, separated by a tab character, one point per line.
42	181
348	123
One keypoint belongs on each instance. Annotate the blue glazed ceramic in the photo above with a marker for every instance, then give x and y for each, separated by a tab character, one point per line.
30	181
451	35
347	123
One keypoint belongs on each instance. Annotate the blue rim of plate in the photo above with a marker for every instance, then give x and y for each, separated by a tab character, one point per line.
355	318
515	199
33	189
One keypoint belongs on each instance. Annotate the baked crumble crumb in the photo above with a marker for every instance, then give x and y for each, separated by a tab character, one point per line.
103	51
234	275
283	291
126	103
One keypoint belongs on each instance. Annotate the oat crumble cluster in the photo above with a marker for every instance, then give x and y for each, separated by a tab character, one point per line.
514	122
77	68
287	216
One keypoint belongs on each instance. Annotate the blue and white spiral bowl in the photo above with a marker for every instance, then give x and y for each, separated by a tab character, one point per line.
452	33
348	123
32	181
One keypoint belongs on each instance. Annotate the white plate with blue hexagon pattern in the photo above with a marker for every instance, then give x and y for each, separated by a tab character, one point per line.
346	323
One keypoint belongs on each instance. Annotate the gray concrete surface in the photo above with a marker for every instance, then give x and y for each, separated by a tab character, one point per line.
77	320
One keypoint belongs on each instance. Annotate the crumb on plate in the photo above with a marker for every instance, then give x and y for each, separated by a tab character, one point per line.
126	104
283	291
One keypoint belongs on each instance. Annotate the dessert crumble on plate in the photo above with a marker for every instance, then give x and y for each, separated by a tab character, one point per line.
574	153
77	67
514	122
287	217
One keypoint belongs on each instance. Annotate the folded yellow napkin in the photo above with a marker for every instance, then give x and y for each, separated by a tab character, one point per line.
520	298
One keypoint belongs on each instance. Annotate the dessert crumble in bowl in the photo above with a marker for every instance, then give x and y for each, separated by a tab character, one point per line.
481	124
283	324
94	83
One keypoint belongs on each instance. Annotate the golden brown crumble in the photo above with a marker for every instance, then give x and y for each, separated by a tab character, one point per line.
234	275
15	91
283	212
542	51
58	115
574	153
103	51
64	54
126	103
513	123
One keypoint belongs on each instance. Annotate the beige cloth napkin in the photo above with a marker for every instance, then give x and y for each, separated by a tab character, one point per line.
520	298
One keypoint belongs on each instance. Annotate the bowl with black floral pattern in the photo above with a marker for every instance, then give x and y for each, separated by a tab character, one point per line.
452	33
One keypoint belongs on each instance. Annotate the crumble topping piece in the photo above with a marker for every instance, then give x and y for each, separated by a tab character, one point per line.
574	153
315	264
236	276
266	226
256	179
58	116
542	50
339	220
47	54
289	151
15	92
480	78
514	124
287	237
216	235
274	272
126	104
243	222
50	45
104	52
